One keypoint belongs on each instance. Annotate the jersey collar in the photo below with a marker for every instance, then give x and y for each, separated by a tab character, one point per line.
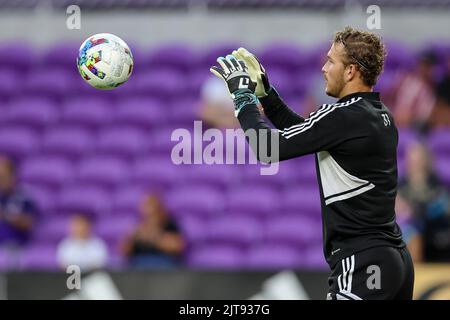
365	95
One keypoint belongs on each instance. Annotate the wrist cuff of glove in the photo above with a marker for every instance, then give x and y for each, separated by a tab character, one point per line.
242	98
271	99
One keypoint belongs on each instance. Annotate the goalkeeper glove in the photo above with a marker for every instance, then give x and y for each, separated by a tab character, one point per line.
235	74
256	70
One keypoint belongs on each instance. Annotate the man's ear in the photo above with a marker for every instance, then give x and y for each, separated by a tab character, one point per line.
350	72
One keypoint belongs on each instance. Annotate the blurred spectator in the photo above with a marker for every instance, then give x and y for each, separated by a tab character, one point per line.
411	233
81	247
420	184
429	201
413	96
17	211
217	109
441	114
156	241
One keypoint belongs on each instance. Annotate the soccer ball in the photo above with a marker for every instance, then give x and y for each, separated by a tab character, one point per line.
105	61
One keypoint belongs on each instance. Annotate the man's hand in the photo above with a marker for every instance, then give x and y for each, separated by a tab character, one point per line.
235	74
256	70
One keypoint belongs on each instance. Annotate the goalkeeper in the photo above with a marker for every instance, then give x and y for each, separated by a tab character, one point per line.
355	142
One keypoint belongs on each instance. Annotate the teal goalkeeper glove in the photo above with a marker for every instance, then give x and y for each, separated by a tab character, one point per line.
257	72
235	74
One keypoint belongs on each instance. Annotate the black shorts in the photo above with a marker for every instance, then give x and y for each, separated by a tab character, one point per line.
379	273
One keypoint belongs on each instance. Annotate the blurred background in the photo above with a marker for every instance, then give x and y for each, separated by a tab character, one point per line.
86	176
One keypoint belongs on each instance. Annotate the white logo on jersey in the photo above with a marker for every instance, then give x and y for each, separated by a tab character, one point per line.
335	251
387	121
243	83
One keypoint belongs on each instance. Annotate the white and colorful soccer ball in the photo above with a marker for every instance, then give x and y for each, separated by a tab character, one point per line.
105	61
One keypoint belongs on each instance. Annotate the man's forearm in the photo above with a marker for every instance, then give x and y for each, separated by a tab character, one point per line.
273	146
278	112
251	121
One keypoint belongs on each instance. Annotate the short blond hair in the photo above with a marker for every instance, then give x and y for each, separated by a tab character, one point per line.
366	49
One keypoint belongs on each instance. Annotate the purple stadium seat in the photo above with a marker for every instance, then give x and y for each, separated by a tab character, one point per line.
106	172
301	199
140	54
300	85
43	197
31	112
253	199
156	172
48	83
193	228
114	230
90	113
116	261
85	199
178	55
128	198
122	141
203	200
216	257
8	259
18	54
401	166
61	54
51	230
184	112
315	56
282	80
161	140
273	257
386	81
218	50
314	216
442	165
441	48
39	257
50	171
286	175
439	142
17	141
253	173
314	258
67	141
282	55
298	231
296	99
399	55
10	80
303	170
196	80
162	83
216	175
81	88
235	230
405	138
145	113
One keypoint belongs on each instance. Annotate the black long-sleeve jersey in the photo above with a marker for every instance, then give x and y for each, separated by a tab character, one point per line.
355	143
